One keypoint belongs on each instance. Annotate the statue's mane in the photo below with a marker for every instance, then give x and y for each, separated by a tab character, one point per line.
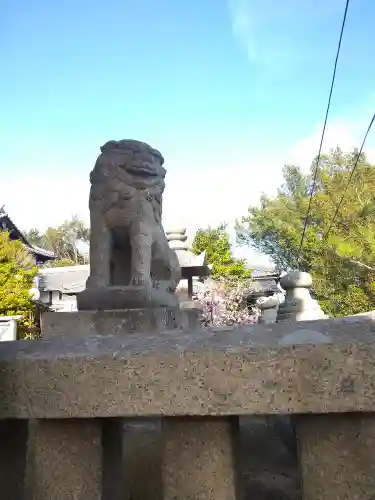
108	178
131	147
107	169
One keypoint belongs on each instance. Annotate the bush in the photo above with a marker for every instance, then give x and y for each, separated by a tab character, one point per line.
17	272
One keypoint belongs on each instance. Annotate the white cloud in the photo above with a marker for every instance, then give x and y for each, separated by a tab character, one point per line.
242	25
338	133
268	30
41	202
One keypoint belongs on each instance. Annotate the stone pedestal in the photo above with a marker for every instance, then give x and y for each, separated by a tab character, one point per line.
120	322
13	446
123	297
199	459
67	460
298	305
191	312
336	455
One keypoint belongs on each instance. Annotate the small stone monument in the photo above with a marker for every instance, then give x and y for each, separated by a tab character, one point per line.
268	309
192	265
131	262
298	304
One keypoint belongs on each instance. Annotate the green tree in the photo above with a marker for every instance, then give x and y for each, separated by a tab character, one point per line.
64	240
342	263
215	242
17	272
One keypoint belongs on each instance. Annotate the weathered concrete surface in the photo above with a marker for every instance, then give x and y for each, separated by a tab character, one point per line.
253	370
267	459
67	460
337	456
116	322
199	459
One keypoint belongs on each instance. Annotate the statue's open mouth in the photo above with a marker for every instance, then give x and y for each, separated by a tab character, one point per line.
142	170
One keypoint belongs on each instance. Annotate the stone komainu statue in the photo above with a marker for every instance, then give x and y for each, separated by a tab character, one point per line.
128	245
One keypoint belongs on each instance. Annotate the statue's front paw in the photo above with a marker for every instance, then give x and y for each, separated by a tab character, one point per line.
141	280
96	282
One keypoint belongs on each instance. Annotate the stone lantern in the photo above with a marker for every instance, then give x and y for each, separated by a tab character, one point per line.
192	266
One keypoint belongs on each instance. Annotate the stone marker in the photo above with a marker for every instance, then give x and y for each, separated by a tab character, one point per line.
268	309
298	304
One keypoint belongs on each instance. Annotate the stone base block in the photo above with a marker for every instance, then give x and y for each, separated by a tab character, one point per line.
85	323
128	297
67	460
336	454
199	459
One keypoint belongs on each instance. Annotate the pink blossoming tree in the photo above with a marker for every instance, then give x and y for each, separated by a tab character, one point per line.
224	303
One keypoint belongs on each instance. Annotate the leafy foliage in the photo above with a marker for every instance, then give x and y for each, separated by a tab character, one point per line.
342	263
64	241
215	242
17	272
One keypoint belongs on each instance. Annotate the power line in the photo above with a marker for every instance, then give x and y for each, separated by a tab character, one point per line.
324	129
350	177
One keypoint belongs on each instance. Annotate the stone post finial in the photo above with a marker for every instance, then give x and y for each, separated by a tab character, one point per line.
177	238
268	309
298	305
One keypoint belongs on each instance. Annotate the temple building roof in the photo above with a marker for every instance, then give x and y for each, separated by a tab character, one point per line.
6	224
68	279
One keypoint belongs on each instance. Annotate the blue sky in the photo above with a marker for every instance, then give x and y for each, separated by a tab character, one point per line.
228	90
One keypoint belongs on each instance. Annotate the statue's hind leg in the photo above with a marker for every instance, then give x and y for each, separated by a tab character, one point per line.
100	252
141	244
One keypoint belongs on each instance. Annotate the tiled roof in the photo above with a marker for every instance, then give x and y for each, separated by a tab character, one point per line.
70	279
7	223
266	283
40	251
